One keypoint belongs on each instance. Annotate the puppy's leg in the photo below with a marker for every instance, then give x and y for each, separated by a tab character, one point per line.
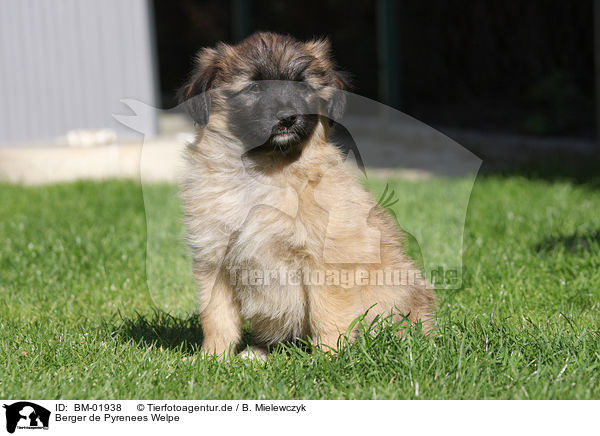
331	311
219	315
405	304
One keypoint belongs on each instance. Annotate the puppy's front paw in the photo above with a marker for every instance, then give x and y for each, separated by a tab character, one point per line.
218	350
254	353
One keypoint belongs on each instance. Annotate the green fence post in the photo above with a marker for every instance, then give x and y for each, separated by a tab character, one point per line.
597	68
388	53
241	18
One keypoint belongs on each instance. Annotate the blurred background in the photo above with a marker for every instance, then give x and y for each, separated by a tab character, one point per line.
522	67
514	82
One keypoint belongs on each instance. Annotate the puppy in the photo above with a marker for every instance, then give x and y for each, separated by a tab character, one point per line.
281	234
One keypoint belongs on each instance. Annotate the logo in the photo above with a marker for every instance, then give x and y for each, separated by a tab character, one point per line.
26	415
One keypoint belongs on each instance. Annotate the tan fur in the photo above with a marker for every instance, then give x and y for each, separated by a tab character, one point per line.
289	216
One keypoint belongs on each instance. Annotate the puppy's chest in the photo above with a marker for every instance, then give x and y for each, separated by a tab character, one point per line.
281	226
267	255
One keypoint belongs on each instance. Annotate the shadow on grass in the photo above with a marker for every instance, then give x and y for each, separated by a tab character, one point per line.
579	170
164	330
575	243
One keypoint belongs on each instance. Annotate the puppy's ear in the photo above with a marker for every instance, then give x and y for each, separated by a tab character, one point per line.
338	80
194	94
320	48
336	105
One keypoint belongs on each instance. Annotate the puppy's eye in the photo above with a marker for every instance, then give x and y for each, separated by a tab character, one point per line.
304	86
253	87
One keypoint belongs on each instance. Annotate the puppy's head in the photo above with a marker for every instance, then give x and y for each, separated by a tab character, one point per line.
271	89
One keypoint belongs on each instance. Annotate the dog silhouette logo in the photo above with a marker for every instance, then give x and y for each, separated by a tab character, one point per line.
26	415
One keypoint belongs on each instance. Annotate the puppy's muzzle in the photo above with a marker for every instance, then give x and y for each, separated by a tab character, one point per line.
287	118
288	123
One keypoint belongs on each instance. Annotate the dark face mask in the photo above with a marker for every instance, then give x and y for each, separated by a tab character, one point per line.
275	115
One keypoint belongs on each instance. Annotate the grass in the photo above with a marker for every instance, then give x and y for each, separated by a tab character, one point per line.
79	319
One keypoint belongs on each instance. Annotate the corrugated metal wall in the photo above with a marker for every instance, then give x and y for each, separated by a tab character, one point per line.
65	64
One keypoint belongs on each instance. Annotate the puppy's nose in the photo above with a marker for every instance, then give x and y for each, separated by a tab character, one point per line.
286	118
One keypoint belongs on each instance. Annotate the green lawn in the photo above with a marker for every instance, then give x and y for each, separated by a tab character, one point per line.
79	320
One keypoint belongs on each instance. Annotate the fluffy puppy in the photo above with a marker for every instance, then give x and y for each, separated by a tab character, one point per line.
280	232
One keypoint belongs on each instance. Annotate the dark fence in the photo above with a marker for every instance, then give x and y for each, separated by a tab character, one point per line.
523	67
